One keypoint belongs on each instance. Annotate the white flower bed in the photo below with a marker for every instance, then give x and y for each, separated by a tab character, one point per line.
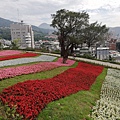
108	107
26	60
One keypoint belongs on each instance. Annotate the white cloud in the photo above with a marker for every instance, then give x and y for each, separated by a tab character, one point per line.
38	11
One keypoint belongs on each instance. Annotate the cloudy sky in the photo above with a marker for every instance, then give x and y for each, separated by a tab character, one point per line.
36	12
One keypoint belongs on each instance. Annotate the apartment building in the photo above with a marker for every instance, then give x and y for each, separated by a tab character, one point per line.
23	33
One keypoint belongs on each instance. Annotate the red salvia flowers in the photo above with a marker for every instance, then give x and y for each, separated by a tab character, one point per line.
32	96
21	55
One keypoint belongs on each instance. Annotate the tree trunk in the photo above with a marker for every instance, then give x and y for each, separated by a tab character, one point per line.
65	56
62	52
61	40
71	49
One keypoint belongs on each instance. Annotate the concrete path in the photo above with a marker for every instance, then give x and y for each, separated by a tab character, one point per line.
107	64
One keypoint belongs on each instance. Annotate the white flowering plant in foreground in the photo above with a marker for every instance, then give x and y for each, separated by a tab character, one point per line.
108	107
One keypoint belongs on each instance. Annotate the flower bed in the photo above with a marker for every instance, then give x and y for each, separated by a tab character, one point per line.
27	69
60	62
31	96
108	107
28	54
26	60
9	52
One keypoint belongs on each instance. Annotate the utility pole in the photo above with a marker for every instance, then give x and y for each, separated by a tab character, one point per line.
18	15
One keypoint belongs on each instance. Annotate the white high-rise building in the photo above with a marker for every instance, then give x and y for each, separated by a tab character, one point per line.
23	33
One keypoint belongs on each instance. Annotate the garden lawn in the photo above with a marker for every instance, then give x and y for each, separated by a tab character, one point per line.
42	75
30	100
76	106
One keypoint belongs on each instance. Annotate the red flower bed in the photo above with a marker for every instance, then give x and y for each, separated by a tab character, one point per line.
32	96
28	54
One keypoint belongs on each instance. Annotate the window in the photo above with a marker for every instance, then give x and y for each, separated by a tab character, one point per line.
17	32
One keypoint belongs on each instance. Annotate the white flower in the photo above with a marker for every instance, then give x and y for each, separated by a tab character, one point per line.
26	60
108	107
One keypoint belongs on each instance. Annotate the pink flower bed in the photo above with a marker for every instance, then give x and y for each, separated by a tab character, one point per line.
21	55
27	69
32	96
69	62
9	52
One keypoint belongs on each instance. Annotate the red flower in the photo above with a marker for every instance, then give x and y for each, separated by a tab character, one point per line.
21	55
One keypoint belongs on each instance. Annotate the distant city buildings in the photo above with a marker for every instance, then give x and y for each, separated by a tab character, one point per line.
112	44
52	36
4	43
47	44
23	33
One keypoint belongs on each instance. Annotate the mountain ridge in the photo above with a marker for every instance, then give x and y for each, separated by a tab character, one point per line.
46	28
5	23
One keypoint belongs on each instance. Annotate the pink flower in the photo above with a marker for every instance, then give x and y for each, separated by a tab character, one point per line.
34	68
9	52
